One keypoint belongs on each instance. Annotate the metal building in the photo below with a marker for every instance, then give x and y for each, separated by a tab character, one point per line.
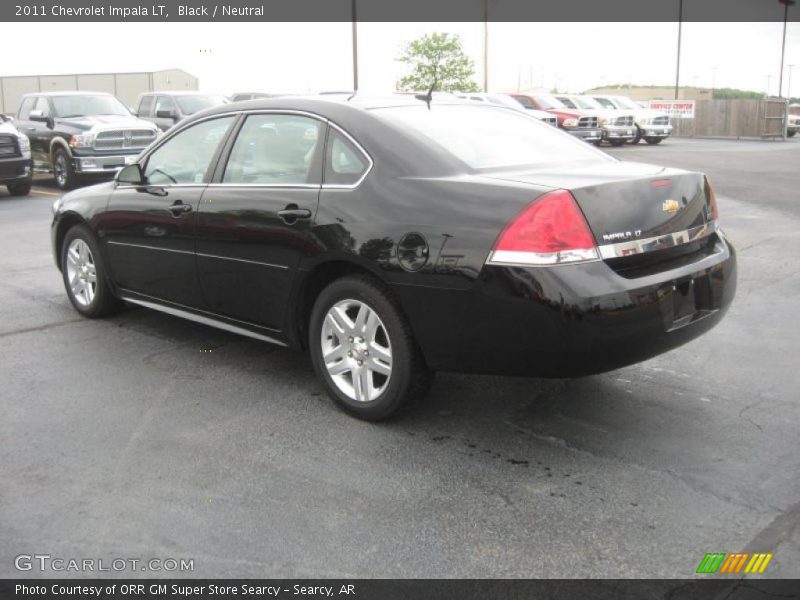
125	86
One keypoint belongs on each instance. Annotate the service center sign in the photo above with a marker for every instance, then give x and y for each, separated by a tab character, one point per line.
676	109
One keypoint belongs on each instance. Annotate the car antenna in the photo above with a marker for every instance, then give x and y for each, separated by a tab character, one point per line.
429	96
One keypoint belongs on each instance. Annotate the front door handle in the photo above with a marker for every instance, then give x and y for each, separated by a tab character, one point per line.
291	213
179	207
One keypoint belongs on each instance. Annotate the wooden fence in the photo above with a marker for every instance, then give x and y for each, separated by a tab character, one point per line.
734	119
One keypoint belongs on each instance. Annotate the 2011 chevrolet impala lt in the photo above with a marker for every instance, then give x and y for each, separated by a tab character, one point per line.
392	238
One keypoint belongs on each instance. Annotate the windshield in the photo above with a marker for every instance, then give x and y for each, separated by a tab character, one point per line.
190	104
625	102
86	106
547	102
605	102
484	137
586	103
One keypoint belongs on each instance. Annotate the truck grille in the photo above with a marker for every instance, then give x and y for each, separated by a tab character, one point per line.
8	146
124	139
661	121
551	121
622	121
587	122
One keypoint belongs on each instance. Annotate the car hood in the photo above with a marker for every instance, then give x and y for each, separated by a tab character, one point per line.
100	122
8	127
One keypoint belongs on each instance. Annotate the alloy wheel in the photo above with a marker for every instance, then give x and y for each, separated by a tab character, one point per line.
60	167
81	272
356	350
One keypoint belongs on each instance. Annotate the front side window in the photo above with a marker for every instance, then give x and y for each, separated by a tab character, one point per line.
186	156
526	102
567	102
549	102
344	163
165	103
146	106
26	107
605	102
191	104
274	150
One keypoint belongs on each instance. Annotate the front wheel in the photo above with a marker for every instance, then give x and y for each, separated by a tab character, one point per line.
63	170
363	350
19	189
653	141
791	133
638	137
84	274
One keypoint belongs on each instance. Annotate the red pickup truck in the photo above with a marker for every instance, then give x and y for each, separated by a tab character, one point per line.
580	124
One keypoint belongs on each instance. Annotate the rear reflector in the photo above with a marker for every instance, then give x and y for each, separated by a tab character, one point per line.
549	231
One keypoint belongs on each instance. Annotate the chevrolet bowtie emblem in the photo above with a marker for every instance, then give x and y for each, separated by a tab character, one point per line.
670	206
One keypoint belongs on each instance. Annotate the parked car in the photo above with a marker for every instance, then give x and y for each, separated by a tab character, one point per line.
16	167
652	125
164	109
793	120
508	101
578	123
617	125
395	237
81	135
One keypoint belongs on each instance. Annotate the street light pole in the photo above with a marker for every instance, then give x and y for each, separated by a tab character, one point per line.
789	84
678	65
786	5
485	45
355	48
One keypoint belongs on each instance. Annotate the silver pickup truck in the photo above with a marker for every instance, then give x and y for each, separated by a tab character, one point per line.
652	125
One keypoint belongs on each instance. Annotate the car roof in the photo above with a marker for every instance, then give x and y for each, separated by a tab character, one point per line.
69	93
180	93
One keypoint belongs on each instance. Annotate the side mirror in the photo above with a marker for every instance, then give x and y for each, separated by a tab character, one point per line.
166	114
130	175
37	115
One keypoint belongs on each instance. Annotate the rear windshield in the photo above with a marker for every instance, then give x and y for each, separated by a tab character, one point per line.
486	137
192	104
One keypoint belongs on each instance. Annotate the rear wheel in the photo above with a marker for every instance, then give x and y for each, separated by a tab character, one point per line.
791	133
363	350
84	275
63	170
19	189
653	141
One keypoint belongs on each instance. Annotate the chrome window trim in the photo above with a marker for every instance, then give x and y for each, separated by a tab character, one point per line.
203	254
659	242
186	314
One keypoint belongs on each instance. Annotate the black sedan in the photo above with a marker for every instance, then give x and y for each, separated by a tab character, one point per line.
392	238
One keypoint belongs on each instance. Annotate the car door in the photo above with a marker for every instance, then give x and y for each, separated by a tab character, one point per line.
255	220
149	230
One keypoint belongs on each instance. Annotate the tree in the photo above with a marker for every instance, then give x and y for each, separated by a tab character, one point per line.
437	60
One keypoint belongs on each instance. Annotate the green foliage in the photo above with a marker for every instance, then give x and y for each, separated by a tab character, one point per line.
437	59
732	94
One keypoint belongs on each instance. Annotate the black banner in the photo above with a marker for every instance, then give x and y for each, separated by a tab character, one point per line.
394	10
394	589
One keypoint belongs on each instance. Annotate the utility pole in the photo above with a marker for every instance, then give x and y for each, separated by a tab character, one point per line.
485	45
678	65
786	5
713	81
355	48
789	85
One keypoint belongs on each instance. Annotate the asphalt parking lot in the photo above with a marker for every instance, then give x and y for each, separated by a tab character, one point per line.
147	436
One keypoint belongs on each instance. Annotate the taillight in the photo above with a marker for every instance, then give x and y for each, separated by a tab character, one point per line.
712	200
551	230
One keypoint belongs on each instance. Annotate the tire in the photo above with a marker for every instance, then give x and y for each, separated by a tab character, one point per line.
637	138
19	189
84	275
597	142
63	170
653	141
399	377
791	133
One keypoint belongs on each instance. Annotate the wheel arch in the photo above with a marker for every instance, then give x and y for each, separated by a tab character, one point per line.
67	221
59	143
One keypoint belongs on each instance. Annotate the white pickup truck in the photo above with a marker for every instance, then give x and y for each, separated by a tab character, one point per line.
652	125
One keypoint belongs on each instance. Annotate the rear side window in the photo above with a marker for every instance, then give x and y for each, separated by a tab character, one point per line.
25	108
146	106
344	163
275	150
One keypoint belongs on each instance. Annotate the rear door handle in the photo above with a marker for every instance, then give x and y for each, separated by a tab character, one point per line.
292	214
179	207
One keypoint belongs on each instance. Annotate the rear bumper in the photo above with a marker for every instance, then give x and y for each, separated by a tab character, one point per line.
569	320
15	170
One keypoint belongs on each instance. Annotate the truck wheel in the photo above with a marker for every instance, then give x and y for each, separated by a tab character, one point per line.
63	171
791	133
637	138
19	189
653	141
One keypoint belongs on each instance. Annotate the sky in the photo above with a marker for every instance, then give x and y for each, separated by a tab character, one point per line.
313	57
